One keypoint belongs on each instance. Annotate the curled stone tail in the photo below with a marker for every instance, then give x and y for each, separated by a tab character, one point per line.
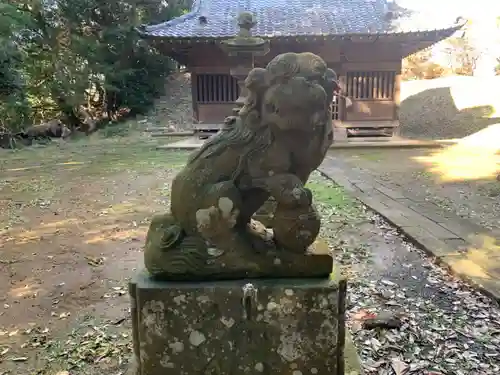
169	251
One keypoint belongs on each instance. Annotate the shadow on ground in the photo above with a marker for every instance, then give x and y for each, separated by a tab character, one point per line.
446	108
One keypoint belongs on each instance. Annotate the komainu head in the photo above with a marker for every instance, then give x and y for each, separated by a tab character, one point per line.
293	92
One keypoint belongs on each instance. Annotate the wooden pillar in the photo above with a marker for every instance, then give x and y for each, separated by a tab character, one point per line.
194	96
339	130
397	102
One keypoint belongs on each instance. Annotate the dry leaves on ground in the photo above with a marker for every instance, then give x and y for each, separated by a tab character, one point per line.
453	330
446	327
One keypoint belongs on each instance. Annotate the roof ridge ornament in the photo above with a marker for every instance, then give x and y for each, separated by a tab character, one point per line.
202	19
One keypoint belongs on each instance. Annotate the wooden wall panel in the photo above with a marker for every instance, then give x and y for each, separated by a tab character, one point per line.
369	110
208	55
330	52
214	113
209	69
391	66
366	52
341	56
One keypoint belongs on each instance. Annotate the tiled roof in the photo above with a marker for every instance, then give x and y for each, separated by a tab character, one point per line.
277	18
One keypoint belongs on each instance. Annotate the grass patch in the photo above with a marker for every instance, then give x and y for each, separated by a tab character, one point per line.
372	155
341	215
333	199
100	157
33	177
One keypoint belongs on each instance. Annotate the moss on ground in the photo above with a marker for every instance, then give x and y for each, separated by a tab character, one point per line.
41	170
332	199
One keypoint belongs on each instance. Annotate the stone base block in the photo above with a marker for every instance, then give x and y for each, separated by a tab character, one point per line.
339	134
257	326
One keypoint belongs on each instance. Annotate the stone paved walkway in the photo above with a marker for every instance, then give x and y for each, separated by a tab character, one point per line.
471	251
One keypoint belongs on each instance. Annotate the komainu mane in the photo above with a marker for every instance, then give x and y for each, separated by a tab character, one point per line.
268	151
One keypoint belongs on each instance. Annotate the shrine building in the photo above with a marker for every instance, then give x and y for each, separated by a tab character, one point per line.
364	41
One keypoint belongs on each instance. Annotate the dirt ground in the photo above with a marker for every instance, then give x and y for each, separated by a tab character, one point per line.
73	221
457	180
73	218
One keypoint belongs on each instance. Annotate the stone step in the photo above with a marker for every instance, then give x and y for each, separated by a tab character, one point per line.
172	134
194	142
207	127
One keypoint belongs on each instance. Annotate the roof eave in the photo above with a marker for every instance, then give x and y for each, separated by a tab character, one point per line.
437	35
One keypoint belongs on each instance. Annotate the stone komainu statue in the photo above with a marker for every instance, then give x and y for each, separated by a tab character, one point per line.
280	136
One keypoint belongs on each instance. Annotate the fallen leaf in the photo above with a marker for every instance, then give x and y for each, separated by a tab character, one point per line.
19	359
376	344
398	366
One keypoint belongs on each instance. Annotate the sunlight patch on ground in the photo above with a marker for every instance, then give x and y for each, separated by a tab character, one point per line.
473	158
481	261
25	291
22	236
97	228
468	267
60	223
118	235
477	92
70	163
127	207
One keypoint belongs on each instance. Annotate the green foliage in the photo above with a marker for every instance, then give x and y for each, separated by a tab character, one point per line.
463	56
14	108
78	58
421	66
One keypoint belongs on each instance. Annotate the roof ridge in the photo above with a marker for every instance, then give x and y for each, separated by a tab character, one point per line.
195	9
337	17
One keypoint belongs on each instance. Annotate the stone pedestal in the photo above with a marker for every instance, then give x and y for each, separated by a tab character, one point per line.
259	326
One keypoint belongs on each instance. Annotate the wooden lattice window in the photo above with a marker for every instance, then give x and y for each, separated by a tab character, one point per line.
370	85
216	88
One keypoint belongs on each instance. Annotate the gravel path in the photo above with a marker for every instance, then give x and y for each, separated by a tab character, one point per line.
447	327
